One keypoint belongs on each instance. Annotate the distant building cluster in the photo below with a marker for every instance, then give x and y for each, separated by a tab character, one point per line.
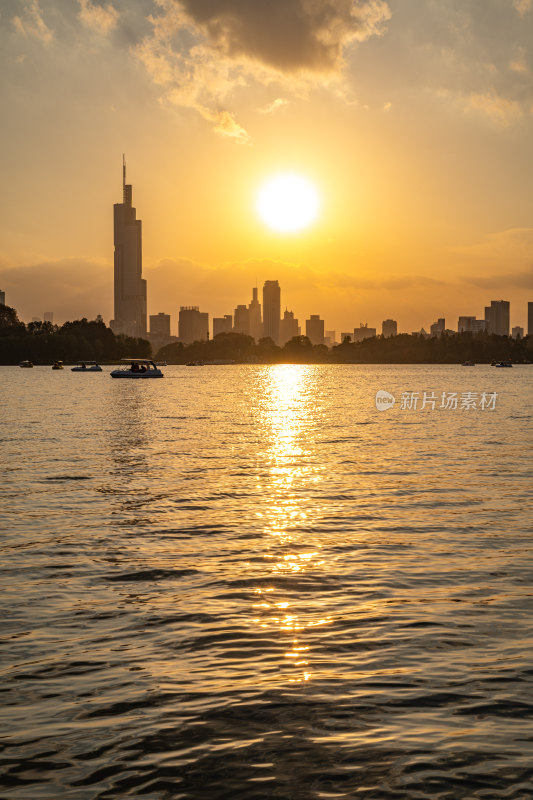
258	320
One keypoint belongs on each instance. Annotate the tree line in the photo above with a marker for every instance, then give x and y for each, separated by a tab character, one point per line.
402	349
92	340
80	340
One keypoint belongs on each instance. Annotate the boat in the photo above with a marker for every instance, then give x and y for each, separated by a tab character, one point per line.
468	364
503	364
138	368
87	366
57	365
26	364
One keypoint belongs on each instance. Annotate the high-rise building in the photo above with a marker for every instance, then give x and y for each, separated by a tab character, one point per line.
2	298
288	327
256	324
271	310
438	327
193	325
99	318
314	329
530	319
330	337
241	320
48	316
517	332
497	317
160	326
389	327
363	332
222	324
130	287
471	325
159	330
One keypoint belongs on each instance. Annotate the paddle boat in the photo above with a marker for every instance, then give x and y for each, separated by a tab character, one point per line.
138	368
87	366
503	364
57	365
26	364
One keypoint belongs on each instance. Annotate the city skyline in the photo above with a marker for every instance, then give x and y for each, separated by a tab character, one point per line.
413	124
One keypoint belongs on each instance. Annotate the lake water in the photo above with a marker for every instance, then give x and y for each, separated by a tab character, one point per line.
246	582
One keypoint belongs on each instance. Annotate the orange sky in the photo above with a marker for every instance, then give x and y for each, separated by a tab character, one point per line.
413	120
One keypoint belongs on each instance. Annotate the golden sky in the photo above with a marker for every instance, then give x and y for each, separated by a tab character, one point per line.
414	121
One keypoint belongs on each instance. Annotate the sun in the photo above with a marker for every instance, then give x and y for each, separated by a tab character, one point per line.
288	202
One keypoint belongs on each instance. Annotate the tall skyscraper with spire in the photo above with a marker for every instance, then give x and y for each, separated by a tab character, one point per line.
256	324
271	310
130	287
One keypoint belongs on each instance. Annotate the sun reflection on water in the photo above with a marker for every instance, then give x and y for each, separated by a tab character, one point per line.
288	417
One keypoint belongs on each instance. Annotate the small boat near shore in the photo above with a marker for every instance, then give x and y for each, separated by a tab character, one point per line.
468	364
503	364
87	366
138	368
57	365
26	364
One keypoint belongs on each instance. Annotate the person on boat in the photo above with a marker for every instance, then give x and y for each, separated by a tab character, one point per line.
83	366
135	367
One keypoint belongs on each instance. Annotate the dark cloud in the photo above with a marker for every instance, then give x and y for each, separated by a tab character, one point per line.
288	35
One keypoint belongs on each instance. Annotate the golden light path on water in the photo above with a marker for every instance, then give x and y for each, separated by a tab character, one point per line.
286	410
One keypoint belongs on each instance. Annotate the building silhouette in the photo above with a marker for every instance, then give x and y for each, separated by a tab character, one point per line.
437	328
193	325
241	320
222	324
48	316
2	298
256	324
363	332
389	327
271	310
517	332
530	319
130	287
314	329
160	325
329	338
288	327
497	317
471	325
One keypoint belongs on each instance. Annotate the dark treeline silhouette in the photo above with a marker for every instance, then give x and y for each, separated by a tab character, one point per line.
447	349
402	349
43	343
241	348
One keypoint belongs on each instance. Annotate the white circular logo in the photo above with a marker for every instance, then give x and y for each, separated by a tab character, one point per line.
384	400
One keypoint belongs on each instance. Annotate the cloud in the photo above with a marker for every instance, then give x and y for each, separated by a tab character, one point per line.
276	104
203	51
523	6
31	23
286	35
101	19
500	109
